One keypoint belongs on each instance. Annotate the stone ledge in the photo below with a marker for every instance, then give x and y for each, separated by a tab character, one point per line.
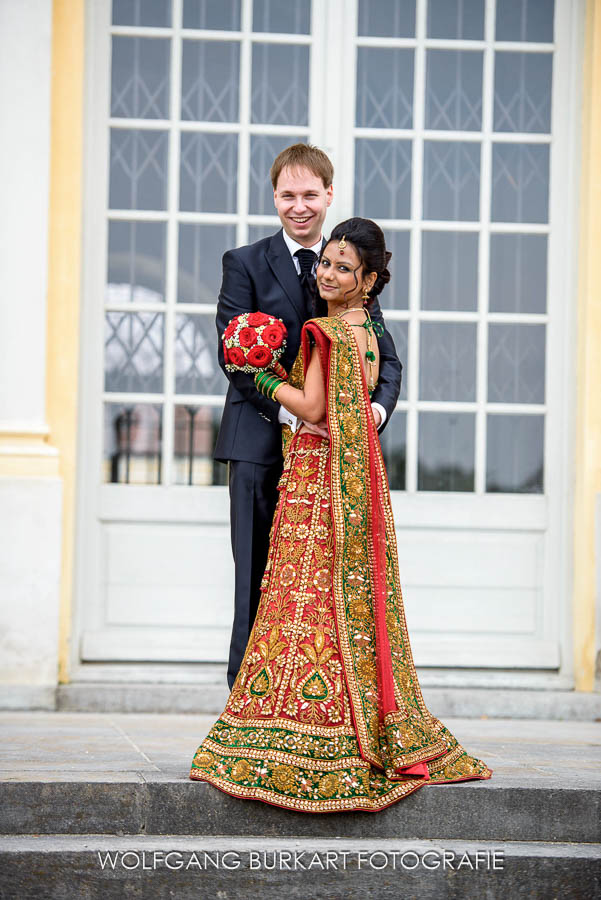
474	810
57	867
28	696
461	702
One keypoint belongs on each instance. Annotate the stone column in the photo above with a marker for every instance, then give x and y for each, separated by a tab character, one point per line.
30	487
587	473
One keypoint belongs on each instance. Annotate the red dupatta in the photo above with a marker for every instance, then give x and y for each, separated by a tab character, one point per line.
327	334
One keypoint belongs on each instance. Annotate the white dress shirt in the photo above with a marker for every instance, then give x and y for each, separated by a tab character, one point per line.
293	246
285	417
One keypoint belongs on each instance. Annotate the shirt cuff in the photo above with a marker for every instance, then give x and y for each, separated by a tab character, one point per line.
382	412
286	418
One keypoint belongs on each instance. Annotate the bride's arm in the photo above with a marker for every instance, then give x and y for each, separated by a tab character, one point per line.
308	403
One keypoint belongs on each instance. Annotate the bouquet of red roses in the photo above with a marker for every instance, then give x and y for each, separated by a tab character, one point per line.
253	342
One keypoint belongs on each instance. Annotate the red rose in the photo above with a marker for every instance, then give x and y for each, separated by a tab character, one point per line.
259	318
229	330
273	335
247	337
259	356
235	357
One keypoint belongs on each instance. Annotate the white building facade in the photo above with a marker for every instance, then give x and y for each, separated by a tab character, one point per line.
457	125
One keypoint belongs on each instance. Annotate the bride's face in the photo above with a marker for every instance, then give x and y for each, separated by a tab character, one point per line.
340	275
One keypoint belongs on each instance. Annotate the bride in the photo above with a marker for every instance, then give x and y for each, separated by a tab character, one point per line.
327	713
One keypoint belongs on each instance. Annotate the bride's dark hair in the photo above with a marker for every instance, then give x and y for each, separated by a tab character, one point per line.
368	240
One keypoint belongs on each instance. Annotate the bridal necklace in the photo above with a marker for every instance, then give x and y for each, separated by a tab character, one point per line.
370	327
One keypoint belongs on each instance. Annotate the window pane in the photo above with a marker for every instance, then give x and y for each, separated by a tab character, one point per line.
383	179
394	449
263	150
149	13
446	451
133	352
518	273
132	443
201	248
399	331
195	434
523	92
138	169
525	20
208	172
140	78
210	80
456	19
280	84
447	361
449	270
514	456
384	88
520	187
258	232
516	363
387	18
451	180
213	15
396	293
196	368
454	90
136	262
282	16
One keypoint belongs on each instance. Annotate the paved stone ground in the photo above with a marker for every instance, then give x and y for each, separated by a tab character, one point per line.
39	746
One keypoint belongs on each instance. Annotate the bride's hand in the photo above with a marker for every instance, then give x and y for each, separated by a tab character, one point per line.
320	428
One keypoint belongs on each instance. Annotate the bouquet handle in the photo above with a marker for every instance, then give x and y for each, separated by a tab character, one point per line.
279	370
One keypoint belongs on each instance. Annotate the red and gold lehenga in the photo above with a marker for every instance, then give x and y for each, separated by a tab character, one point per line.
327	713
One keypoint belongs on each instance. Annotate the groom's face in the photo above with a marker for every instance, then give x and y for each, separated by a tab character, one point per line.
302	201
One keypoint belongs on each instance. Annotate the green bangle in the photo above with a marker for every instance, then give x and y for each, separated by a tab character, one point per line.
276	389
262	379
272	386
268	383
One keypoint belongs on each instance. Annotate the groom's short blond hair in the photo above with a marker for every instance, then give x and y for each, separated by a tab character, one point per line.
303	156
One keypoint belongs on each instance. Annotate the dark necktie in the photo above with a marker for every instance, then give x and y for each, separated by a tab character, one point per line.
306	260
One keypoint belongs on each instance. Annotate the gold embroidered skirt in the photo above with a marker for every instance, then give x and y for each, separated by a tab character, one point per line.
288	735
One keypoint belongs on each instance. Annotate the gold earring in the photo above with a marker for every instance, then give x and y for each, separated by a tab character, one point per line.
365	296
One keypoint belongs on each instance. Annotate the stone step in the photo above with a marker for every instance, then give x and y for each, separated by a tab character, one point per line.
494	810
107	867
453	701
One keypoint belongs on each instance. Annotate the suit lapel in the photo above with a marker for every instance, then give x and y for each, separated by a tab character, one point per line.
282	266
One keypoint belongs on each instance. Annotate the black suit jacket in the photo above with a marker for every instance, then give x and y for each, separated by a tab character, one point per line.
262	276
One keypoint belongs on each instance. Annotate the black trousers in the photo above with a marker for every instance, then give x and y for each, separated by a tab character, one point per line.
253	499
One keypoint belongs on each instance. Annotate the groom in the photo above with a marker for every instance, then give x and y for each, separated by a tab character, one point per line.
275	275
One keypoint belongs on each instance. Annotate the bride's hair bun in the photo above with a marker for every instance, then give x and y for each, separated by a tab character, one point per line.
380	283
369	242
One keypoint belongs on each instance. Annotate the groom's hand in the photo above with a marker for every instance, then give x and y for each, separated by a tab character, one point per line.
377	416
320	428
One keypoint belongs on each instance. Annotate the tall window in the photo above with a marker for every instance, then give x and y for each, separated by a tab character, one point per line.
451	143
452	156
204	94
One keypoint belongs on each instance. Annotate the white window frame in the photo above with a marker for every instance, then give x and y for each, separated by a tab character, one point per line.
332	129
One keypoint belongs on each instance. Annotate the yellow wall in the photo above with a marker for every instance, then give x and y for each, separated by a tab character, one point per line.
64	303
588	385
64	270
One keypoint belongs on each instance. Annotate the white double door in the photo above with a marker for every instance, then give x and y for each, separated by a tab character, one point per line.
447	122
